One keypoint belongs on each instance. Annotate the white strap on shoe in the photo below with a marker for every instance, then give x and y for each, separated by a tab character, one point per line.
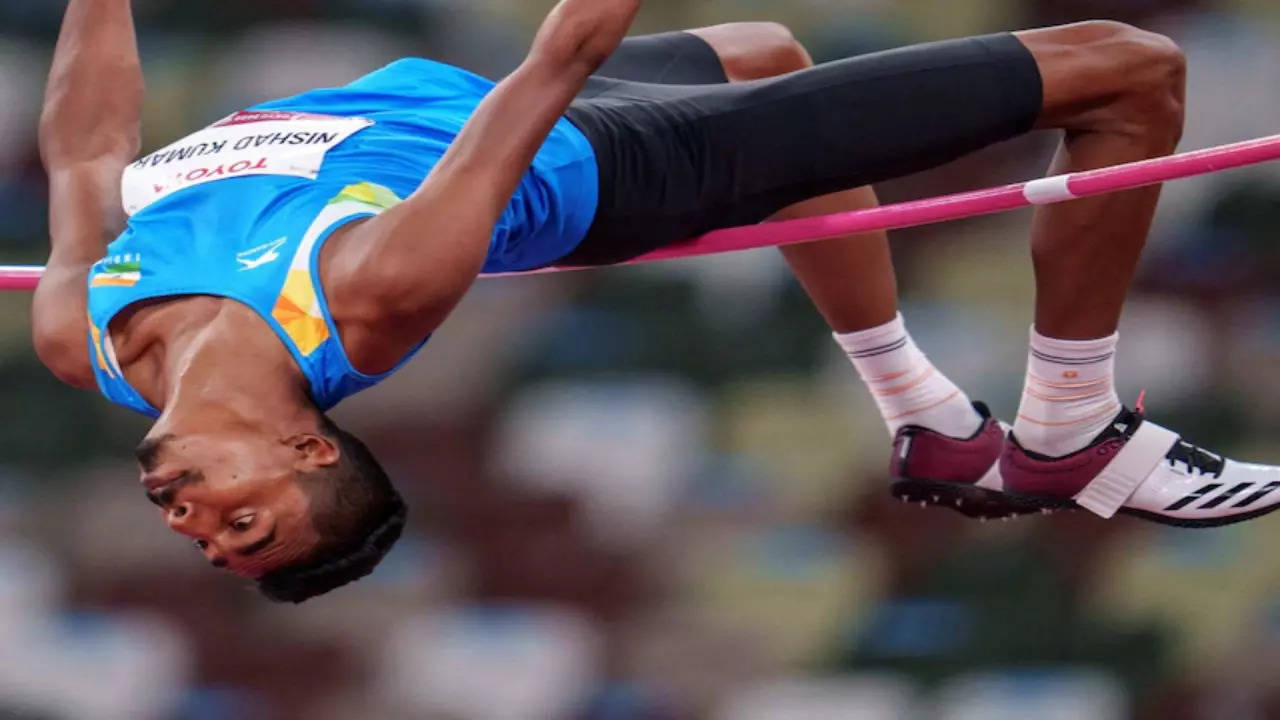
1108	492
991	479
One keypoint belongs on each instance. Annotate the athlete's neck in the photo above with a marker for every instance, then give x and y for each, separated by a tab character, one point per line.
208	358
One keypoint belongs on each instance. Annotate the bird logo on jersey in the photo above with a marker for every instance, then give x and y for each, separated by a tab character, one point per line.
264	254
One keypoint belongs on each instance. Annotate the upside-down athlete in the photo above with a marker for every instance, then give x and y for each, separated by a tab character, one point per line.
291	254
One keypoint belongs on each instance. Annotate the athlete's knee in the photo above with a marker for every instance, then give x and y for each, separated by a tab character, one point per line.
1155	71
754	50
1113	76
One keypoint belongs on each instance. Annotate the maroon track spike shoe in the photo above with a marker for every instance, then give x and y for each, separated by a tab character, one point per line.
963	474
1138	468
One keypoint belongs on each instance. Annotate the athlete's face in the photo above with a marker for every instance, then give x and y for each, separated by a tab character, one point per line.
234	495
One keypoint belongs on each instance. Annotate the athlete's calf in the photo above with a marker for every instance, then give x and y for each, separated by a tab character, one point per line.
1118	93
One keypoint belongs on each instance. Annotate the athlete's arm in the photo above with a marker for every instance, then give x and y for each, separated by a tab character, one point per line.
89	131
411	265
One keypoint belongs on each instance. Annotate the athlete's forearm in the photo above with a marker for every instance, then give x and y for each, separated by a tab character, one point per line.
90	126
578	35
423	254
513	121
93	100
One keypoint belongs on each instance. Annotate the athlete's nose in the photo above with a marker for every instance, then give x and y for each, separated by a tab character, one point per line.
179	515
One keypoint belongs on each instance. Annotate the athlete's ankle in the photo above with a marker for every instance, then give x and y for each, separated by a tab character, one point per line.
1069	396
907	388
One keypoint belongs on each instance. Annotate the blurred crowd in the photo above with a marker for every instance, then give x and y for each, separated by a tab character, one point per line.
660	492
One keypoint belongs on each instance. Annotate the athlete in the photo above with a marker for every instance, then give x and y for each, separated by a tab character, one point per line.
262	269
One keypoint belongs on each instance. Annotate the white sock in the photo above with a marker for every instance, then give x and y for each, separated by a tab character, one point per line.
908	389
1069	396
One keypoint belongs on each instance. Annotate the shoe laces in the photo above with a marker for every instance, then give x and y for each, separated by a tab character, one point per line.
1197	459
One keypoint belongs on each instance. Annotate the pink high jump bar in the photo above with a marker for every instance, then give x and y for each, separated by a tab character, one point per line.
1044	191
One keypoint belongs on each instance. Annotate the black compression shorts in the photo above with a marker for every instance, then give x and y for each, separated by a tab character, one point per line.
681	151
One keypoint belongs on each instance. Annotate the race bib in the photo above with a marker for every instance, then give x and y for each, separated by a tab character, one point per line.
268	142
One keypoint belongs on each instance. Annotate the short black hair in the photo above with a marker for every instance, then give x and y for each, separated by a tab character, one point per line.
358	515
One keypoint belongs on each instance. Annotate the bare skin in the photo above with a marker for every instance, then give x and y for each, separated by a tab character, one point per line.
1120	95
244	512
237	423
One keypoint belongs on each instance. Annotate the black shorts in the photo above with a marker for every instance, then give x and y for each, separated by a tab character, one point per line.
682	152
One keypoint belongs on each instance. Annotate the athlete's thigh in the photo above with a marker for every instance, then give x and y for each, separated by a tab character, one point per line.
678	160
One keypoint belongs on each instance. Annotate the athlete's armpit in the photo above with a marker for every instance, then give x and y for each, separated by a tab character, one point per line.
84	214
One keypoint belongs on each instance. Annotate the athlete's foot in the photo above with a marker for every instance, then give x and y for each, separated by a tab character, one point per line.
959	473
1139	468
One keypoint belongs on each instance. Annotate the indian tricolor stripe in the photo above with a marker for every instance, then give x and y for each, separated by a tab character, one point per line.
125	274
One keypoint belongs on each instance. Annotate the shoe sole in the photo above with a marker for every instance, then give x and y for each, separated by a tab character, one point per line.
982	504
973	501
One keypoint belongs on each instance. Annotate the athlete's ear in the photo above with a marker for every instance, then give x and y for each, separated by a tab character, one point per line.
312	451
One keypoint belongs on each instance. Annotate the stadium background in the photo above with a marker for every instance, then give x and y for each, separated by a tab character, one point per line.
659	493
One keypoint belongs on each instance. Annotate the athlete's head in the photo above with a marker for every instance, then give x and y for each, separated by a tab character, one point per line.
301	515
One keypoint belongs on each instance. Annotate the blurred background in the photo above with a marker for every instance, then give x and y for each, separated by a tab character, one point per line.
660	492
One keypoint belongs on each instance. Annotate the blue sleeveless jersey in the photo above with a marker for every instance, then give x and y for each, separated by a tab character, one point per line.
241	209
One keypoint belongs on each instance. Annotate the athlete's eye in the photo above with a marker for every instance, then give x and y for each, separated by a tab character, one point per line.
242	523
200	544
